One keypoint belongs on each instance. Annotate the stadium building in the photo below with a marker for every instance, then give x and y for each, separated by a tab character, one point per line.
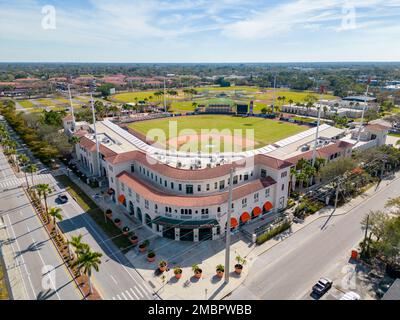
184	196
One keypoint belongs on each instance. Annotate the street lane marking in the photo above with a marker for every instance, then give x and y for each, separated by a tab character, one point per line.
134	293
129	295
22	258
113	279
124	296
44	264
119	298
140	293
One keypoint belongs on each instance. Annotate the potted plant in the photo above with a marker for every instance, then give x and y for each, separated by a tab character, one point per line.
162	265
117	222
151	256
178	272
220	270
240	263
125	230
197	271
143	246
134	239
109	213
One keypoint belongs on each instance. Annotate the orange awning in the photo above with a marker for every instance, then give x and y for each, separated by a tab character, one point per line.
121	198
234	223
245	217
268	206
256	211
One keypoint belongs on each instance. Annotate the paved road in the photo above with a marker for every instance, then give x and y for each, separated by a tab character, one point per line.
117	278
288	270
43	273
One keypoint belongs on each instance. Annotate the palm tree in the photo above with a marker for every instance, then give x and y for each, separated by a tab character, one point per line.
56	214
32	168
88	260
24	160
76	242
44	189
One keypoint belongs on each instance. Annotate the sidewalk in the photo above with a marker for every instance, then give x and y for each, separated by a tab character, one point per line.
12	268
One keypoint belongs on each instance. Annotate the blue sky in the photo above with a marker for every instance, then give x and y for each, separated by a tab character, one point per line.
201	30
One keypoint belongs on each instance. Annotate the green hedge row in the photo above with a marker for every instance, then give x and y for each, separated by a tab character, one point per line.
273	232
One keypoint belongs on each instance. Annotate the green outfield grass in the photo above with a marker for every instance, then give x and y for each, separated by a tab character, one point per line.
265	131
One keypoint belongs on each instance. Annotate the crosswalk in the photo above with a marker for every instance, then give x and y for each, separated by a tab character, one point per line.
134	293
18	182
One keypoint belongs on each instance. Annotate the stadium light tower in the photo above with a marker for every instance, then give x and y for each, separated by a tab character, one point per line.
228	227
363	111
314	154
72	107
94	128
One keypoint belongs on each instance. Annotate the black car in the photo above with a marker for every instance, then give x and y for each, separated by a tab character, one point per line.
62	198
322	286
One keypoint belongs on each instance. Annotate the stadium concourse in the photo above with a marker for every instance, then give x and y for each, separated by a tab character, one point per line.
183	195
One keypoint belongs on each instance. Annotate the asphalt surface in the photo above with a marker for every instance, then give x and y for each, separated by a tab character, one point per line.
41	268
117	278
290	269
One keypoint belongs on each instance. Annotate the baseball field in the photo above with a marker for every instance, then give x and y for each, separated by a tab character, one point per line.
264	131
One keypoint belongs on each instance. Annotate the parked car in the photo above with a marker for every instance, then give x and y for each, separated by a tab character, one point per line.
350	296
322	286
62	198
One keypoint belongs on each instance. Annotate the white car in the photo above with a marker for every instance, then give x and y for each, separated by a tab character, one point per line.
351	296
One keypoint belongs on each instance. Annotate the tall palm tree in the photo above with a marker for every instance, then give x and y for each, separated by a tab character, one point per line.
56	214
79	246
24	160
88	260
32	168
43	190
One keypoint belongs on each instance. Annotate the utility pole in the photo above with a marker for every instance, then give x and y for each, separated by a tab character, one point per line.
274	95
72	107
337	195
165	98
316	137
228	227
95	134
366	233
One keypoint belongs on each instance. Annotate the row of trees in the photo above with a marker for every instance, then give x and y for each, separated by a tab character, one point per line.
84	259
44	140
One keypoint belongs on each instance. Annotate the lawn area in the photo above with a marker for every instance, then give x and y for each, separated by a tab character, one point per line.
3	287
95	213
261	97
46	102
26	103
266	131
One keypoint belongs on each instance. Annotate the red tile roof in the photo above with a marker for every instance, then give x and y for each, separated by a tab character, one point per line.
202	174
147	191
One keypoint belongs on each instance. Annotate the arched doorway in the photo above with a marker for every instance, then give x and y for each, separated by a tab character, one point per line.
245	217
131	208
148	220
122	200
256	212
267	207
139	214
